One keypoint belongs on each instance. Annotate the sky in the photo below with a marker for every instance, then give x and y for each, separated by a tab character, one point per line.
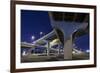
35	24
83	42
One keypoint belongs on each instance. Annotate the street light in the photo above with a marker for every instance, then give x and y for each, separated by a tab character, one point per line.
41	33
33	37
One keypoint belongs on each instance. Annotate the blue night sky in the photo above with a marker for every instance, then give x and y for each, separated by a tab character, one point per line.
83	42
34	22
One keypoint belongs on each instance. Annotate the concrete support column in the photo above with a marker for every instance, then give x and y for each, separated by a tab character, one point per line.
23	53
30	50
68	48
59	49
48	47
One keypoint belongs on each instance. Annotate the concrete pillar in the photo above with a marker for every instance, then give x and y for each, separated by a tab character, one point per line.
48	48
59	49
23	53
68	49
29	51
